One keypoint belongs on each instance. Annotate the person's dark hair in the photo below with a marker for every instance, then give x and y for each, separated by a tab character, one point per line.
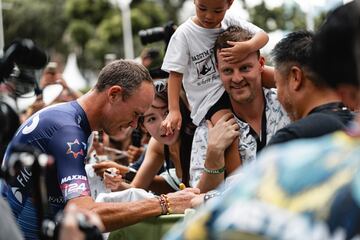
295	49
125	73
334	46
187	129
232	33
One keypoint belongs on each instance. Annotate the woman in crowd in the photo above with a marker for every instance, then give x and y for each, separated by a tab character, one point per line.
172	150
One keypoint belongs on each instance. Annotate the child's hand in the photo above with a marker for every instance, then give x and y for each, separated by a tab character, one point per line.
236	53
171	122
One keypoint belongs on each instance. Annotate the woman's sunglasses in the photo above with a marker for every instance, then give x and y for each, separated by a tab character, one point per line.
160	85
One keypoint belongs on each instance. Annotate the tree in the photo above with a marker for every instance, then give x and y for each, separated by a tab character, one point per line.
96	29
91	28
42	21
286	17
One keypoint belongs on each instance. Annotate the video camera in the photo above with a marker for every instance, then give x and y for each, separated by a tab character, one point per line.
38	163
17	71
155	34
17	65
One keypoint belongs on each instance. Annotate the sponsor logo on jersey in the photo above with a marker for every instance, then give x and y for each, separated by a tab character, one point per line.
24	177
75	148
34	123
73	177
74	186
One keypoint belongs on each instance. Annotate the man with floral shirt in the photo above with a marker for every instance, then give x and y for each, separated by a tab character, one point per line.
256	110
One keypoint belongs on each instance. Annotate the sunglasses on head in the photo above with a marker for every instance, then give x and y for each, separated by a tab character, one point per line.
160	85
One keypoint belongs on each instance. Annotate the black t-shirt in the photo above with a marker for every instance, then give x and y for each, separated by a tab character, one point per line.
321	120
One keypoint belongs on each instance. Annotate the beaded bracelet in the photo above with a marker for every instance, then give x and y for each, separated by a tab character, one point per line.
166	199
162	205
216	171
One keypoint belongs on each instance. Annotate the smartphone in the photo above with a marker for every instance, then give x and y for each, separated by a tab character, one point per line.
111	172
130	175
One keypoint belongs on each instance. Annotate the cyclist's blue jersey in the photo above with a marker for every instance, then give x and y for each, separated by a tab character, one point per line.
60	131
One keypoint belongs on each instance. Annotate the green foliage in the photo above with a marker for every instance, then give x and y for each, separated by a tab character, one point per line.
286	17
91	28
80	31
42	21
148	14
106	35
319	20
92	11
110	29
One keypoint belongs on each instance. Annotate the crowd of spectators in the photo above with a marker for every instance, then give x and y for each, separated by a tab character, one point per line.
252	159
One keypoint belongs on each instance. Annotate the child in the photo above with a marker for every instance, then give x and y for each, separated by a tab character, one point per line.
190	60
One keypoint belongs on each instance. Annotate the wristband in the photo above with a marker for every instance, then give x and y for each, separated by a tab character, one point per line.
164	204
215	171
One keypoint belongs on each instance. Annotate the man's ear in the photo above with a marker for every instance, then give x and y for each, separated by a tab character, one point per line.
114	93
262	63
296	78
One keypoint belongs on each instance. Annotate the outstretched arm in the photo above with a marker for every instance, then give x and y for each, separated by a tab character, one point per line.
117	215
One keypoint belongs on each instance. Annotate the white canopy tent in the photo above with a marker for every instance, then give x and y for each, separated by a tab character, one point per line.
72	74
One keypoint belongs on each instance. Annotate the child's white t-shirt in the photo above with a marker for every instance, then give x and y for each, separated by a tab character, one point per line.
190	52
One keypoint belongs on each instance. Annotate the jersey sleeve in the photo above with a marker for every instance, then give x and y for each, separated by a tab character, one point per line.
177	54
69	148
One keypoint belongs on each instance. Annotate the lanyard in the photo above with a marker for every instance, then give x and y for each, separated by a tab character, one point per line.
260	140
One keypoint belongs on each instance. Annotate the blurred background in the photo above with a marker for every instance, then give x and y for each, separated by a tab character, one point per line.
81	35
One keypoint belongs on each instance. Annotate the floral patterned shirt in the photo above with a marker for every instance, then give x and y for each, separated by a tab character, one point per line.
276	118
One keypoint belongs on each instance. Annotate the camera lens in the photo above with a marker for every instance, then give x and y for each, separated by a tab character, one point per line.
151	35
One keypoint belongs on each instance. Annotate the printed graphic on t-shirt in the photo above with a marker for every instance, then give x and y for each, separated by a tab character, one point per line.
205	67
